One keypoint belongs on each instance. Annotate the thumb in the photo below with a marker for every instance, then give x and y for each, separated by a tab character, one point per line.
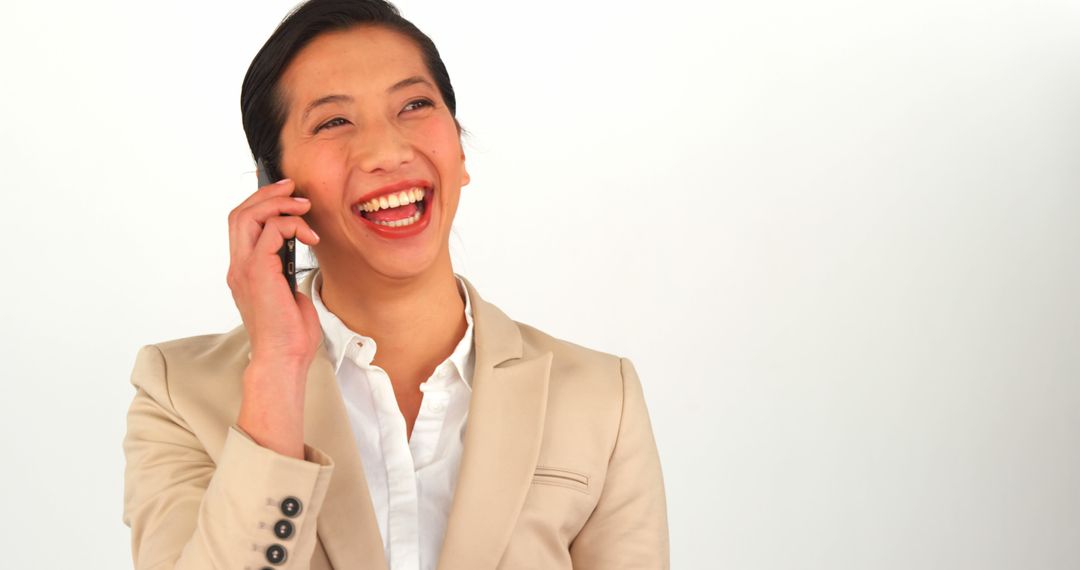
309	314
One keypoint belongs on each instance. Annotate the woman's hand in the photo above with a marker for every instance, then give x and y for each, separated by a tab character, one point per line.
283	328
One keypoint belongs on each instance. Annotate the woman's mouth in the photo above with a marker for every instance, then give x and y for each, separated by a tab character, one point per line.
397	214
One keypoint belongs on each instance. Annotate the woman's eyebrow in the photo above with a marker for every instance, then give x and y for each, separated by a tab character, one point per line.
339	98
407	82
324	100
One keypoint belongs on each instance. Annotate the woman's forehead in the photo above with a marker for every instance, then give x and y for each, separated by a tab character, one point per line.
363	62
366	55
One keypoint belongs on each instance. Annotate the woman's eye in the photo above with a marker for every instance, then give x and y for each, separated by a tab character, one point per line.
331	122
419	102
413	105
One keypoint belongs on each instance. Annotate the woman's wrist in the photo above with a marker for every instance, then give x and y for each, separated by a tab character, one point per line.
275	435
272	409
278	373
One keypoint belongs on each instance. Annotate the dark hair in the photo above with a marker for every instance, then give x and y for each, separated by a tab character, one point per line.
262	105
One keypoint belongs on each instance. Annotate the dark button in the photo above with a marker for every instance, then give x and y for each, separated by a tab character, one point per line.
291	507
283	529
276	554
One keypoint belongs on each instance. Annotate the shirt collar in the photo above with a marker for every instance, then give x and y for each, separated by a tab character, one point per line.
339	338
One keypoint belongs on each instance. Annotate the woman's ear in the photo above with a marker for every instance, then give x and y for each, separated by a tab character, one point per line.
464	171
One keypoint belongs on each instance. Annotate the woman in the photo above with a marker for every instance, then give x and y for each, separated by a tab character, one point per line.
384	416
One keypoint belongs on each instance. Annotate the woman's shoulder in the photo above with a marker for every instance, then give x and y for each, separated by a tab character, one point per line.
214	347
573	362
541	341
176	362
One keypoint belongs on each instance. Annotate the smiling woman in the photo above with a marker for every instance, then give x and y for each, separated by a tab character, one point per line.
385	415
373	126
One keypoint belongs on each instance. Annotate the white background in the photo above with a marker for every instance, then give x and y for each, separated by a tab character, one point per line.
838	240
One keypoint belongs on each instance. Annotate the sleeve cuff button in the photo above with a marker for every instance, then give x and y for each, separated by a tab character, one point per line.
291	507
276	554
283	529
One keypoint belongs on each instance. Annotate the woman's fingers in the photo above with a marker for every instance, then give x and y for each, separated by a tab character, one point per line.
278	189
252	274
276	230
248	223
282	188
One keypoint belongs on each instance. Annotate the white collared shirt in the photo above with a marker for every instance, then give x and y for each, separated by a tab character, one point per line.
411	481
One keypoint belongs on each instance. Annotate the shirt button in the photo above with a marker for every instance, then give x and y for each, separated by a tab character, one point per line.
443	371
438	407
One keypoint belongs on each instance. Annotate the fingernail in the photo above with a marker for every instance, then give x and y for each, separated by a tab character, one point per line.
282	181
317	238
300	199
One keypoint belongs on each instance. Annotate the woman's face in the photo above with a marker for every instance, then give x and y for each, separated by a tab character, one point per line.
365	114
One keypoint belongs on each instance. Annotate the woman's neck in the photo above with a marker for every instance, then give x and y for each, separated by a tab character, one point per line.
416	323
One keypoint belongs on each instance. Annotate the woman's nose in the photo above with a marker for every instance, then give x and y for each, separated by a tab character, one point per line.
381	146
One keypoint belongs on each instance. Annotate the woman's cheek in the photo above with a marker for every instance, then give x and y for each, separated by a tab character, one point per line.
434	136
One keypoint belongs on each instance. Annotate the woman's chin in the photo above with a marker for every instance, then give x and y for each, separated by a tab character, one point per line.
399	257
400	272
405	263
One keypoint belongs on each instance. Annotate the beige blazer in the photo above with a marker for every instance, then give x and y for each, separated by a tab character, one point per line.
559	469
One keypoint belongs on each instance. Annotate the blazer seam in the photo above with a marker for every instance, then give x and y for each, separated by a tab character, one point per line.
165	379
180	420
622	408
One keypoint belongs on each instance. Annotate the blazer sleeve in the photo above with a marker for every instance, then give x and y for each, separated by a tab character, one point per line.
628	529
187	511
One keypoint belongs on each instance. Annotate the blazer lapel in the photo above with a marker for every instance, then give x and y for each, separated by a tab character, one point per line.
501	444
347	526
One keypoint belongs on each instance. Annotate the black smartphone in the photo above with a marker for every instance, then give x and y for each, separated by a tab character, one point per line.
287	253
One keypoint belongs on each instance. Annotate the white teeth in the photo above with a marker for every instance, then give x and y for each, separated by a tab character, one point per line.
402	198
402	222
394	200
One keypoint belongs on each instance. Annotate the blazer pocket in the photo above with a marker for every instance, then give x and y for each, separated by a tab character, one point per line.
562	478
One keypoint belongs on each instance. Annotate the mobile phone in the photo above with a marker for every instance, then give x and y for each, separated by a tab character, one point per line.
287	253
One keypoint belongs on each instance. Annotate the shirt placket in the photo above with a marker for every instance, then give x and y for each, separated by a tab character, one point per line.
403	501
432	415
